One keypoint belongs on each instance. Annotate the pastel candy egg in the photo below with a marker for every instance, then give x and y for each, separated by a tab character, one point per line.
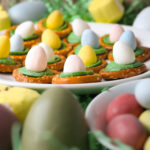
55	20
145	119
4	46
87	55
16	43
90	38
36	59
115	33
142	20
73	64
48	50
147	144
25	29
123	53
128	37
142	93
78	26
50	38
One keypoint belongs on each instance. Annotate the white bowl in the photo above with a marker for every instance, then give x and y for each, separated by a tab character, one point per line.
99	106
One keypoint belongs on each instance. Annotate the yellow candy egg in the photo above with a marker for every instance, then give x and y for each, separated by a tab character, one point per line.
4	46
145	119
87	55
55	20
147	144
50	38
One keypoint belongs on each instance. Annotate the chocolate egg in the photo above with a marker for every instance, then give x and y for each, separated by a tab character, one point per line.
55	20
36	59
128	37
73	64
142	93
142	20
16	43
25	29
48	50
4	46
79	26
55	120
115	33
90	38
51	38
88	56
8	119
123	53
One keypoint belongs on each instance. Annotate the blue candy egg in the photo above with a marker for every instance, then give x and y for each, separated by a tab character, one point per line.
90	38
128	37
16	43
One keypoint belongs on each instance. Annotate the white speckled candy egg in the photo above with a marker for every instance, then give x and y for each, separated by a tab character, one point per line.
73	64
142	20
48	50
90	38
79	26
142	93
115	33
25	29
36	59
122	53
16	43
128	37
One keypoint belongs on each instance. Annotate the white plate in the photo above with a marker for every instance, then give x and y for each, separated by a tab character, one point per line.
99	106
89	88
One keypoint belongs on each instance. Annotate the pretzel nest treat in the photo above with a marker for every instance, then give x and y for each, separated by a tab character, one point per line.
19	58
77	79
28	43
57	65
63	52
96	69
109	75
61	33
22	78
72	44
9	68
141	58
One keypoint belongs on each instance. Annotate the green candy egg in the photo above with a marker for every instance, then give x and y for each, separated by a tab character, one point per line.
54	122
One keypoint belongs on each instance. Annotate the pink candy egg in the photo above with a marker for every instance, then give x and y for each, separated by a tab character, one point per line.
36	59
115	33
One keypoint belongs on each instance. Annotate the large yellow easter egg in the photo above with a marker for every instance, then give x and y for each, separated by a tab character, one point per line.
87	55
55	20
4	46
147	144
51	38
145	119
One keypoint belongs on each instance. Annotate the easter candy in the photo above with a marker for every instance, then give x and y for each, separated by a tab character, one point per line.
90	38
123	53
4	46
142	20
50	38
16	43
128	130
36	59
8	119
25	11
147	144
25	29
115	33
55	20
145	119
78	26
55	120
87	55
48	50
128	37
73	64
142	93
